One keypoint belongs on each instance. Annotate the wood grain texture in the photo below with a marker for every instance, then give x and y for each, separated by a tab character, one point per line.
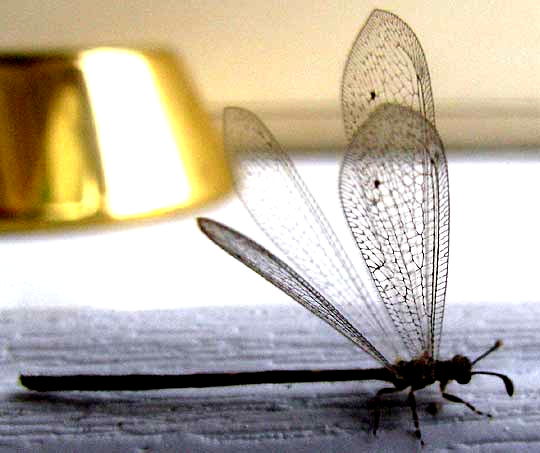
298	417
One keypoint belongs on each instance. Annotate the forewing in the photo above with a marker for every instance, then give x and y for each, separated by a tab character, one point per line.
385	65
285	278
394	193
280	203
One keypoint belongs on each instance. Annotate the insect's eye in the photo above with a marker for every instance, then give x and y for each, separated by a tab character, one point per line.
373	95
376	183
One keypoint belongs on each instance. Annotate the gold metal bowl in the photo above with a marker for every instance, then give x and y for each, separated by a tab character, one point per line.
102	135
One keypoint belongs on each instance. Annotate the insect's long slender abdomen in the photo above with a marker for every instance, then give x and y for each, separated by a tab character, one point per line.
137	382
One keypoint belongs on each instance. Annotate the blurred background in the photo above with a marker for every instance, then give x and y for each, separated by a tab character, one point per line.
284	62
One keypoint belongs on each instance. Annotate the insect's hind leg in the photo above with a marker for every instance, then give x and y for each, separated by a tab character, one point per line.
412	404
376	404
457	399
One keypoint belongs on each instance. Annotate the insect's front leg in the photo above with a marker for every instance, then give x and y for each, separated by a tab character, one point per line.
376	403
457	399
433	407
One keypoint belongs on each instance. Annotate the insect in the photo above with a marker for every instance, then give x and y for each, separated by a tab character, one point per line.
394	192
393	188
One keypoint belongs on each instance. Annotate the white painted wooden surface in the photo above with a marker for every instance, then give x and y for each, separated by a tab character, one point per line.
299	417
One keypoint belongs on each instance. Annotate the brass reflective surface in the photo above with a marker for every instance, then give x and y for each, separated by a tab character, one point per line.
102	135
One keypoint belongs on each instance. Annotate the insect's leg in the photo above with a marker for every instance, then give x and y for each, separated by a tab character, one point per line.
376	402
433	408
412	404
457	399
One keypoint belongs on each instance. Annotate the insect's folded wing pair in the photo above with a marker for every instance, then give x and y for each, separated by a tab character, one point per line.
394	193
280	203
390	186
394	177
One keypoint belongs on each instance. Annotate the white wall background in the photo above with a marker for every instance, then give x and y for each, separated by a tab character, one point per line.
494	250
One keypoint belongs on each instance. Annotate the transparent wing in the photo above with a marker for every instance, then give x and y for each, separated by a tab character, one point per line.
386	65
279	202
394	193
285	278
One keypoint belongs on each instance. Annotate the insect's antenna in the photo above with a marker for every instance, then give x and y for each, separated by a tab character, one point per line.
507	381
496	346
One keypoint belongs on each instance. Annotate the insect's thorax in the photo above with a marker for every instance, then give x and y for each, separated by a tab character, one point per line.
423	371
417	373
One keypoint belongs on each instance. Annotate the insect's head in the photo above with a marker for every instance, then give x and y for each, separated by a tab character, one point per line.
461	369
458	369
507	381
